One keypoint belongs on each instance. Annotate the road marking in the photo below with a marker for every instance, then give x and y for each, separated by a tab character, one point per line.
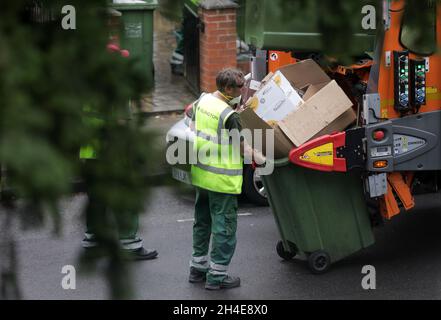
245	214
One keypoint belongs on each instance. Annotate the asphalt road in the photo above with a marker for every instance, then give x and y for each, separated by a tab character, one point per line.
407	257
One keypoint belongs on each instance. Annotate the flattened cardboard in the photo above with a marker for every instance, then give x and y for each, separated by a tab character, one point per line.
321	110
304	73
282	145
339	124
313	89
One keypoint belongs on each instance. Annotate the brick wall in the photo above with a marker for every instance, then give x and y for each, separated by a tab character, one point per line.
217	44
114	25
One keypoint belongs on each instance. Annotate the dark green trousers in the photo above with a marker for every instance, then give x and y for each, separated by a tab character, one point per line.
216	218
99	219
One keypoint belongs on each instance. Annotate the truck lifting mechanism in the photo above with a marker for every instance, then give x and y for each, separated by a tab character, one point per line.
330	191
397	144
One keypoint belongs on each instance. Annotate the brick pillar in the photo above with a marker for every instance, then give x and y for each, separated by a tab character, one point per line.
217	40
114	25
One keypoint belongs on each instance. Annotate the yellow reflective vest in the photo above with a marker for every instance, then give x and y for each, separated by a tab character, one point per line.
219	165
90	150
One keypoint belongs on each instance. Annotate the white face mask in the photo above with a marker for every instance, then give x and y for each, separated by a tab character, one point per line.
235	101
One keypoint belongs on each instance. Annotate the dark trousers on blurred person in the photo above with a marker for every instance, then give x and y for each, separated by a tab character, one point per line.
100	220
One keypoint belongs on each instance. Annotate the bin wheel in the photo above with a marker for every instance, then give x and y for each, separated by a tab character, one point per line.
285	255
319	262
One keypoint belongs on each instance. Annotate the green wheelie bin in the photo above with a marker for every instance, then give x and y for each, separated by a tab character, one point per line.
295	25
320	215
137	34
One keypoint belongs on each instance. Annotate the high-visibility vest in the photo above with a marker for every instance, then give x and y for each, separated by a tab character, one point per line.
92	119
90	150
219	165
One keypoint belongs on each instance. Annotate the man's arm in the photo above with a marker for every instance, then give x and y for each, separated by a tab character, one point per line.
254	154
192	127
246	150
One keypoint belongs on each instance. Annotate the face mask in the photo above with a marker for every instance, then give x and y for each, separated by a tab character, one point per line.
235	101
231	100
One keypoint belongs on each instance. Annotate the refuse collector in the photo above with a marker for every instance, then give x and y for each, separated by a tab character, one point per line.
126	224
218	181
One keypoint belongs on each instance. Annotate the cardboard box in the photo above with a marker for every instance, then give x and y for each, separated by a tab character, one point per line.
282	145
326	107
268	96
283	83
279	111
276	99
304	73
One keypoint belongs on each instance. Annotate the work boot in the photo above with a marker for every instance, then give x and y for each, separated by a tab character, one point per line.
227	283
143	254
196	276
89	241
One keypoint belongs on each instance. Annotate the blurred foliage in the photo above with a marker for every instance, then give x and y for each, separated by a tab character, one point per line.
419	30
47	76
339	20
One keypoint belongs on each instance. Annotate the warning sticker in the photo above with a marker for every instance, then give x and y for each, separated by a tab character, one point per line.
322	155
274	56
404	144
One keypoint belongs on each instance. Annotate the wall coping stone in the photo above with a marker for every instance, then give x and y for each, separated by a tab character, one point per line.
218	4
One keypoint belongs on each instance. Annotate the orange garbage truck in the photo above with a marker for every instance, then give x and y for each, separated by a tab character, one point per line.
329	192
397	94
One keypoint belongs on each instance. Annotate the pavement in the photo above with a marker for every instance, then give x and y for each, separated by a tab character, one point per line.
406	256
171	92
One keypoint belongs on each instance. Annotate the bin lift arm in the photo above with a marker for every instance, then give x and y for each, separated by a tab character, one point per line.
340	151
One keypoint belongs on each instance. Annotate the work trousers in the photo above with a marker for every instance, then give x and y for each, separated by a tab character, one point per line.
99	217
215	218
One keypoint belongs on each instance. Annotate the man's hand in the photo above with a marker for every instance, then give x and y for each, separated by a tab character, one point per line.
258	157
253	154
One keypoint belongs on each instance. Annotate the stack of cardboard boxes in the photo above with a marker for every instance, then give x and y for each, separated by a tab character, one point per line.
300	102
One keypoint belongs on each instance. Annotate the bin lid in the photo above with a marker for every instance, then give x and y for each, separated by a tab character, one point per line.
134	4
113	12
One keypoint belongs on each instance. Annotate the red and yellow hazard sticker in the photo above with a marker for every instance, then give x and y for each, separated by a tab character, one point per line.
321	155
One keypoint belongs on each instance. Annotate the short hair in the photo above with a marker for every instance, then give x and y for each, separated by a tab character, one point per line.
229	78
